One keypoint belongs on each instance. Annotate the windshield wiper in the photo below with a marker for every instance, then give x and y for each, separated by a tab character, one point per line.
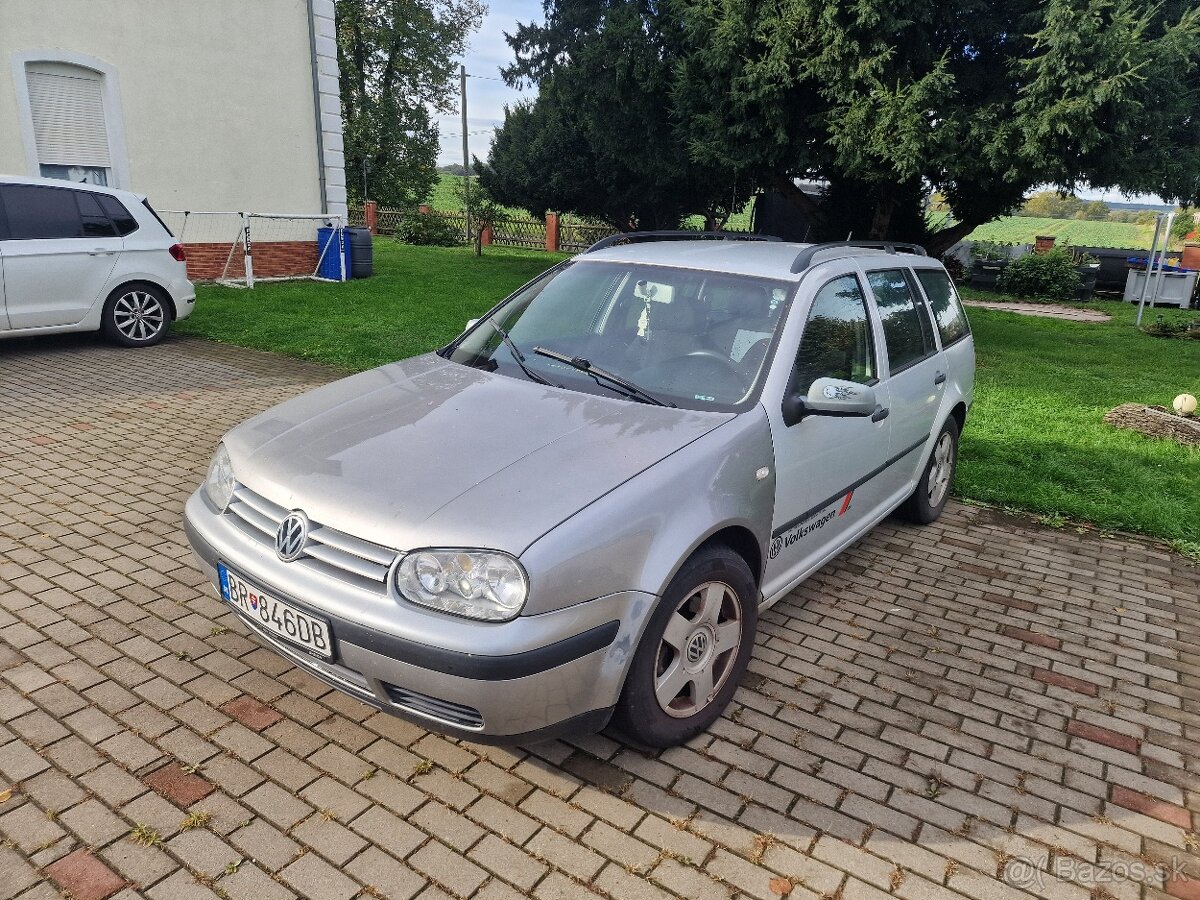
627	387
519	356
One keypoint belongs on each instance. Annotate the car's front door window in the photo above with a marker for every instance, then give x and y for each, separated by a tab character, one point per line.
837	340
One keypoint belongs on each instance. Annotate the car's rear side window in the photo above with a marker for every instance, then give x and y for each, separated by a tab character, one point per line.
906	327
943	300
122	218
93	219
38	213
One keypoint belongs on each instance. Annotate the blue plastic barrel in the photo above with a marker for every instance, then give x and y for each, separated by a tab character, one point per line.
330	267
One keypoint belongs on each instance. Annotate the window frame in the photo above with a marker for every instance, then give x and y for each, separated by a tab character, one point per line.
114	116
873	328
924	316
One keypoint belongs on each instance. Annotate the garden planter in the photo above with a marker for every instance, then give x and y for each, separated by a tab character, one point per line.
985	273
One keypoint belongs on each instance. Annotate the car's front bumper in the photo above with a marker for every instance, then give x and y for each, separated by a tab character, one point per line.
529	679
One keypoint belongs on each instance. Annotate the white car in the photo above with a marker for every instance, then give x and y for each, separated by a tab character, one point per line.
75	257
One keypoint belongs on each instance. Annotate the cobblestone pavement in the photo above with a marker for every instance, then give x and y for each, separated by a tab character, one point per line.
1044	310
978	709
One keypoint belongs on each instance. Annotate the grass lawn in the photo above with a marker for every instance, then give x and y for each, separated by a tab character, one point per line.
1035	441
418	300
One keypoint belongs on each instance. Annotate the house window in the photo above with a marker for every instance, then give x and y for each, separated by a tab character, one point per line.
70	122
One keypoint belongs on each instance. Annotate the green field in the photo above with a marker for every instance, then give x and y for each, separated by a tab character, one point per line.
1023	230
1036	439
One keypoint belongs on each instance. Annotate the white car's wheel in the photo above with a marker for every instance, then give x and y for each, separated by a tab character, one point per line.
136	315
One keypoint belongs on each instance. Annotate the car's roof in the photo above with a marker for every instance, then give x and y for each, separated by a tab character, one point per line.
761	259
77	185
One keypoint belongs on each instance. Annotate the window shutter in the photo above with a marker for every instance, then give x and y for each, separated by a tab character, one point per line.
68	118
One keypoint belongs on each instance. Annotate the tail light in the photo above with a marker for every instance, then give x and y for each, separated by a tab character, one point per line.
177	253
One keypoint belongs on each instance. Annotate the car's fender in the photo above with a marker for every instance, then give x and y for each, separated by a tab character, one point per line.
639	534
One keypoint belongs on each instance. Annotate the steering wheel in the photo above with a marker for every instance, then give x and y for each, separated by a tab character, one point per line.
728	364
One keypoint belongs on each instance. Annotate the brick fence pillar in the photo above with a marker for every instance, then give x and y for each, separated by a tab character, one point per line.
1191	255
370	216
425	209
552	232
485	236
1043	243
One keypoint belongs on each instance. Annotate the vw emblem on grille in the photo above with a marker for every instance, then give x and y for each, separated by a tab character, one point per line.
292	536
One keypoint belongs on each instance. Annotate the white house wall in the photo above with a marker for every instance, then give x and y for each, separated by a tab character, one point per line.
217	100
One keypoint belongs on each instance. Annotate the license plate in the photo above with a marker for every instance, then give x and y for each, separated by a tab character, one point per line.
275	616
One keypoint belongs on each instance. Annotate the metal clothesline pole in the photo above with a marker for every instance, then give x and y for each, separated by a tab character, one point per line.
1158	222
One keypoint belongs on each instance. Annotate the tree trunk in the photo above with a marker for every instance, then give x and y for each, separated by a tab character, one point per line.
941	241
797	197
881	221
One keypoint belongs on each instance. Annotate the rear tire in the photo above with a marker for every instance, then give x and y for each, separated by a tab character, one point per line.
694	651
926	503
136	315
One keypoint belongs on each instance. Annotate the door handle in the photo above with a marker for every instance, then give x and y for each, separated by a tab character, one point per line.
881	413
100	251
940	379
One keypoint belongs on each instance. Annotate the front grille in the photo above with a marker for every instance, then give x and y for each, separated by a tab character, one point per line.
329	550
432	708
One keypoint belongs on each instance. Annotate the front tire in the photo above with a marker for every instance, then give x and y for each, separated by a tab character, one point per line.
694	651
136	315
933	490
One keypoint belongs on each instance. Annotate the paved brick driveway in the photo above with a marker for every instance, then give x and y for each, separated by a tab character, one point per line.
939	708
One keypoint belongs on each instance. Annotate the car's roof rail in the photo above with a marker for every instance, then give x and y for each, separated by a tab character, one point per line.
637	237
804	258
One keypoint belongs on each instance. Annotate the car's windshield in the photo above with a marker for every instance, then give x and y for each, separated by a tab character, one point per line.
696	339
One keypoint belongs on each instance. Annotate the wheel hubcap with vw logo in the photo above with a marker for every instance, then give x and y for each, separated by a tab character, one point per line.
292	536
698	650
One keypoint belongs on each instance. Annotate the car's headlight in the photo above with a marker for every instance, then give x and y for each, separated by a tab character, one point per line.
478	584
220	481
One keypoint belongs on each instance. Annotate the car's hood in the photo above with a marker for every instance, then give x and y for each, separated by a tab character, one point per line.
427	452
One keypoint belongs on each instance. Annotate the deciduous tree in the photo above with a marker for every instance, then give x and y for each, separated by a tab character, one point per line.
397	70
981	101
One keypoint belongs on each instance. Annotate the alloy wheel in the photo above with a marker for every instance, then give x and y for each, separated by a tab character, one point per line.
941	469
139	315
698	649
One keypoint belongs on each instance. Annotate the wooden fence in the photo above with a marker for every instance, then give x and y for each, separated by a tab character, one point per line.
554	233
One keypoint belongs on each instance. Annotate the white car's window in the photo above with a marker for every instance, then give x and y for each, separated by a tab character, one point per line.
36	212
951	320
837	340
695	339
95	222
906	328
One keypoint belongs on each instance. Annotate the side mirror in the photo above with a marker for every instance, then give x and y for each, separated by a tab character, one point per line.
471	323
830	397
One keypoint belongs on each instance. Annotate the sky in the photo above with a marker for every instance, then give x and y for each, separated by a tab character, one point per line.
486	93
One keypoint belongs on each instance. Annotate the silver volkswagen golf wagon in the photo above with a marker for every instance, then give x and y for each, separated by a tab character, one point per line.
575	512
